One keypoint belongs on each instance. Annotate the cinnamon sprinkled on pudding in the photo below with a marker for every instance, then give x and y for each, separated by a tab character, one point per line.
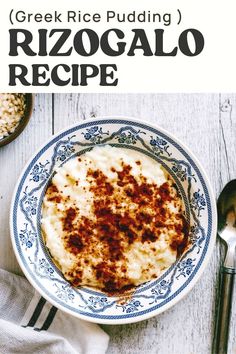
113	219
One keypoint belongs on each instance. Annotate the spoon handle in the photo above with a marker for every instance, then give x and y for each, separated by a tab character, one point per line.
220	343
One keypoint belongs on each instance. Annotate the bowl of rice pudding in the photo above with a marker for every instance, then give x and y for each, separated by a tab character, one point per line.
113	220
15	112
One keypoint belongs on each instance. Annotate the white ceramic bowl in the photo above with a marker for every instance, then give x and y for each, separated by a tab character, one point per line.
150	298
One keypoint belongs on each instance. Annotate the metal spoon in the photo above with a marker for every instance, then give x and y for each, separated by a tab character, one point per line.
226	207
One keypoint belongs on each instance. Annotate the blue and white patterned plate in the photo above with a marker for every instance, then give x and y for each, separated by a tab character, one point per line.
151	298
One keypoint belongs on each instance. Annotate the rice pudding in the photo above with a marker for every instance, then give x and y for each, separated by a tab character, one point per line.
112	219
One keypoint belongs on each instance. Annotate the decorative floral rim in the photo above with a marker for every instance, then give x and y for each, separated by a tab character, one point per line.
151	298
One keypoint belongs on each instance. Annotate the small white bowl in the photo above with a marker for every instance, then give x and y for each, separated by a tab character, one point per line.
150	298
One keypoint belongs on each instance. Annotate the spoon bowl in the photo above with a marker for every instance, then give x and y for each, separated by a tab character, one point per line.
226	208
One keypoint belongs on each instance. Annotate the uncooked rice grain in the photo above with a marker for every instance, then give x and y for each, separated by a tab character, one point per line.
12	109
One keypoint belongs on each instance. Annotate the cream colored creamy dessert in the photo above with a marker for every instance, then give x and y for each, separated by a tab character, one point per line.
112	219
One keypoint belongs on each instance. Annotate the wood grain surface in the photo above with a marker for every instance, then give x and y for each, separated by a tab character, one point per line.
206	123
